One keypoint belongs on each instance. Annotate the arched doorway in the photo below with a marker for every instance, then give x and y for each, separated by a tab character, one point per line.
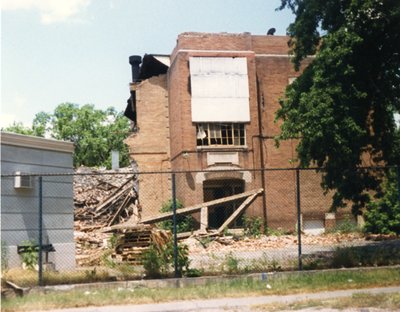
220	188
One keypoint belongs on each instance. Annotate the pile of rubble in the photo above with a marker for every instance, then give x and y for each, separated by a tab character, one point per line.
246	244
102	198
107	217
106	205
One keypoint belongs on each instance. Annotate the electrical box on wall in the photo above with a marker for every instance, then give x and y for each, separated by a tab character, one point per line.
22	181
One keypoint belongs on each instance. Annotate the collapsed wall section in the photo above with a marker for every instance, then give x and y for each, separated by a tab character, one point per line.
149	145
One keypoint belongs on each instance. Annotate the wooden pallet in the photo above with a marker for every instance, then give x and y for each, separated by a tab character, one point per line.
133	242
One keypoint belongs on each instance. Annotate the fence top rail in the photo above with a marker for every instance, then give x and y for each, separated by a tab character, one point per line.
318	169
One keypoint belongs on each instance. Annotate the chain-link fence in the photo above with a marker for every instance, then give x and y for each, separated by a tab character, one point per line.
103	225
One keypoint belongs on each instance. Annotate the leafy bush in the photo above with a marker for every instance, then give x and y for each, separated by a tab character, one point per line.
158	261
30	257
375	255
383	215
152	262
346	226
232	264
279	231
183	223
385	253
252	226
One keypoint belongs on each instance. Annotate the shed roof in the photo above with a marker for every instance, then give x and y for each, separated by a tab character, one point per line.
14	139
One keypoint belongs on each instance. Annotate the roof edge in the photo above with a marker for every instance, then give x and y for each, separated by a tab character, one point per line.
14	139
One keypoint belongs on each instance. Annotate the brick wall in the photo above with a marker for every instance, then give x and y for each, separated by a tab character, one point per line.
149	146
171	141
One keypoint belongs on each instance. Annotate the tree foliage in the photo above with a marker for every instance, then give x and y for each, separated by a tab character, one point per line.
94	132
342	107
383	214
18	127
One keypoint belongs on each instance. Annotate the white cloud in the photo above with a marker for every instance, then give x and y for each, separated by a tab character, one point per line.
7	120
51	11
16	111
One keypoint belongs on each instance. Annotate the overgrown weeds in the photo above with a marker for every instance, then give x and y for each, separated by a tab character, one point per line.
183	223
252	226
29	278
232	264
158	261
382	254
371	255
30	256
346	226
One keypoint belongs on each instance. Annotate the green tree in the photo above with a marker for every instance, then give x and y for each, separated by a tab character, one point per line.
383	214
40	124
342	107
18	127
94	132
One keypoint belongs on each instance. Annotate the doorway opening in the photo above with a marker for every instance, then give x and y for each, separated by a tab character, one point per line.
216	189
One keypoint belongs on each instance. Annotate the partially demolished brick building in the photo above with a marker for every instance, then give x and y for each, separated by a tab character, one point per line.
210	106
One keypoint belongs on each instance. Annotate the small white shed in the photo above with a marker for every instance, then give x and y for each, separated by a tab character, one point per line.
20	196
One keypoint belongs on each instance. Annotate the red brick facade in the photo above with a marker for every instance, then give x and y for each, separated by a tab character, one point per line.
167	136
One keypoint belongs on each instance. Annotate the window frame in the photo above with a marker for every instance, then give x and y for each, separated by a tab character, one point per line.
221	134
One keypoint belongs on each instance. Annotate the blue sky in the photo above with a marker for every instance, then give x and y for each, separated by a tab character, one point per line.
55	51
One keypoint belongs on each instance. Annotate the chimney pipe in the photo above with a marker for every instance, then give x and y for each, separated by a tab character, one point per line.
135	61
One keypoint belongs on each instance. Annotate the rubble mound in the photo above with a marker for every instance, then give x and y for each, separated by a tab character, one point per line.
102	198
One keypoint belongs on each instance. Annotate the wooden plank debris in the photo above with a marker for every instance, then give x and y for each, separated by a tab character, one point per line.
101	198
237	212
109	204
114	193
122	206
192	209
133	242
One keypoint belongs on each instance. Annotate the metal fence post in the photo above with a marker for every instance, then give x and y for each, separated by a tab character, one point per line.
40	239
298	218
176	269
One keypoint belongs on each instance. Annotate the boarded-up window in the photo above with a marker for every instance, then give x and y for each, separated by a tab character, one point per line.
220	89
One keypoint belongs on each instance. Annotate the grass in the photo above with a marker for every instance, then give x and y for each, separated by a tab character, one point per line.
285	284
382	254
29	278
389	302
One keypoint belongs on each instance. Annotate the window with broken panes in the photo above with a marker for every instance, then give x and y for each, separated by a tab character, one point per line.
224	134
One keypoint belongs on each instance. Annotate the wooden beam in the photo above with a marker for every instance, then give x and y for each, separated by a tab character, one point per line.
117	213
114	194
204	219
111	201
236	213
188	210
125	226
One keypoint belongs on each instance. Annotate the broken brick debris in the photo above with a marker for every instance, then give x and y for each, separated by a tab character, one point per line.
101	198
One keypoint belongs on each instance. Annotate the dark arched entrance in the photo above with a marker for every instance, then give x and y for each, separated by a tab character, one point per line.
220	188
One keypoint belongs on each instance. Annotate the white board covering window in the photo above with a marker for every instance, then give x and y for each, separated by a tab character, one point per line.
220	89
